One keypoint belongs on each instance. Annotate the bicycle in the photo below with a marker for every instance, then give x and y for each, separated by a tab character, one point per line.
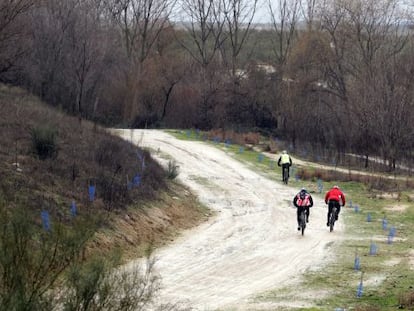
302	224
285	174
332	218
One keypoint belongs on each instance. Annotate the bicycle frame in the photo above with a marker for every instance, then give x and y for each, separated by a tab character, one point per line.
303	221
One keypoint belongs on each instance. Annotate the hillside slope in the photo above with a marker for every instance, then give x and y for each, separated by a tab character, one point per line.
147	209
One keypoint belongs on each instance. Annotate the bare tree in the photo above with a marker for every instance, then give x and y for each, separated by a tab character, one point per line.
363	35
237	16
202	39
203	29
284	15
51	26
13	31
87	43
379	42
141	22
284	20
10	11
68	49
309	12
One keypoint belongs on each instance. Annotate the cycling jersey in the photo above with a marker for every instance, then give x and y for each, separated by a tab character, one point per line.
335	195
306	201
285	159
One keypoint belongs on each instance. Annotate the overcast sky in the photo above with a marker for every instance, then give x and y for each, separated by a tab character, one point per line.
263	15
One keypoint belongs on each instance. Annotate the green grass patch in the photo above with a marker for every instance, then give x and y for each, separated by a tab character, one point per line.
387	274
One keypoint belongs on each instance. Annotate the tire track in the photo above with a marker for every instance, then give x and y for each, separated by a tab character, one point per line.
251	246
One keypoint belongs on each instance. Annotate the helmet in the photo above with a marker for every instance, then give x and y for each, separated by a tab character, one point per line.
284	152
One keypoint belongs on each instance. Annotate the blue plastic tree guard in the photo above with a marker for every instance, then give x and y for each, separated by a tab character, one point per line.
45	220
357	263
360	290
73	209
91	193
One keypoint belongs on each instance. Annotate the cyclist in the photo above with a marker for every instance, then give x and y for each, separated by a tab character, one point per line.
303	201
285	161
334	197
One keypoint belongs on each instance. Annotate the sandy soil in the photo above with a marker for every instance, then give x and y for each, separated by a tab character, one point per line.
250	246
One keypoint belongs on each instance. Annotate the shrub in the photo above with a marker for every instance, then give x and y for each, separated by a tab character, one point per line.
251	138
172	170
367	308
47	270
44	143
97	286
112	189
406	300
31	259
373	182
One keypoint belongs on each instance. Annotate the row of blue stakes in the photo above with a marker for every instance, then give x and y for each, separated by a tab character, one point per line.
260	157
227	143
136	181
373	248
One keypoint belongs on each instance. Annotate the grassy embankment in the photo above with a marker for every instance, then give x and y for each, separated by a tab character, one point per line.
60	242
386	262
84	154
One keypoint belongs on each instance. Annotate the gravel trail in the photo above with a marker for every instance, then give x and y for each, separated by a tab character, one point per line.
250	246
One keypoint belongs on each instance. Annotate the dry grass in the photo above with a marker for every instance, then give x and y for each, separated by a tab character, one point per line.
374	182
86	155
153	225
249	138
406	301
367	308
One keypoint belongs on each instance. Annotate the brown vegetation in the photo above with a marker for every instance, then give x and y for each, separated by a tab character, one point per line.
367	308
374	182
406	301
87	154
249	138
341	83
155	224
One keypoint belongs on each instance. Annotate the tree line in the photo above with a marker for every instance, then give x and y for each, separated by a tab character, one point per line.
337	75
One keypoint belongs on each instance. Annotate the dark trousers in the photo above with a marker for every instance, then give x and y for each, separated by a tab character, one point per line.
287	165
331	205
299	211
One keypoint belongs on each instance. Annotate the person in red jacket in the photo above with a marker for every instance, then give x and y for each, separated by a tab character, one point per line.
334	197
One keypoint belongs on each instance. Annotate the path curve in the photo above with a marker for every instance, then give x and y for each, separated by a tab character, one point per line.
251	246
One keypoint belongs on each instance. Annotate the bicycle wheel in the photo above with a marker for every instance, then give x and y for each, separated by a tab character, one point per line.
302	222
285	175
332	219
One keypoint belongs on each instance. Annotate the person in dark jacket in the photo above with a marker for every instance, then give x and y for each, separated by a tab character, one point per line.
303	201
334	197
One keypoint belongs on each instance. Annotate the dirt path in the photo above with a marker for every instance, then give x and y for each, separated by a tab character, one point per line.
250	246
